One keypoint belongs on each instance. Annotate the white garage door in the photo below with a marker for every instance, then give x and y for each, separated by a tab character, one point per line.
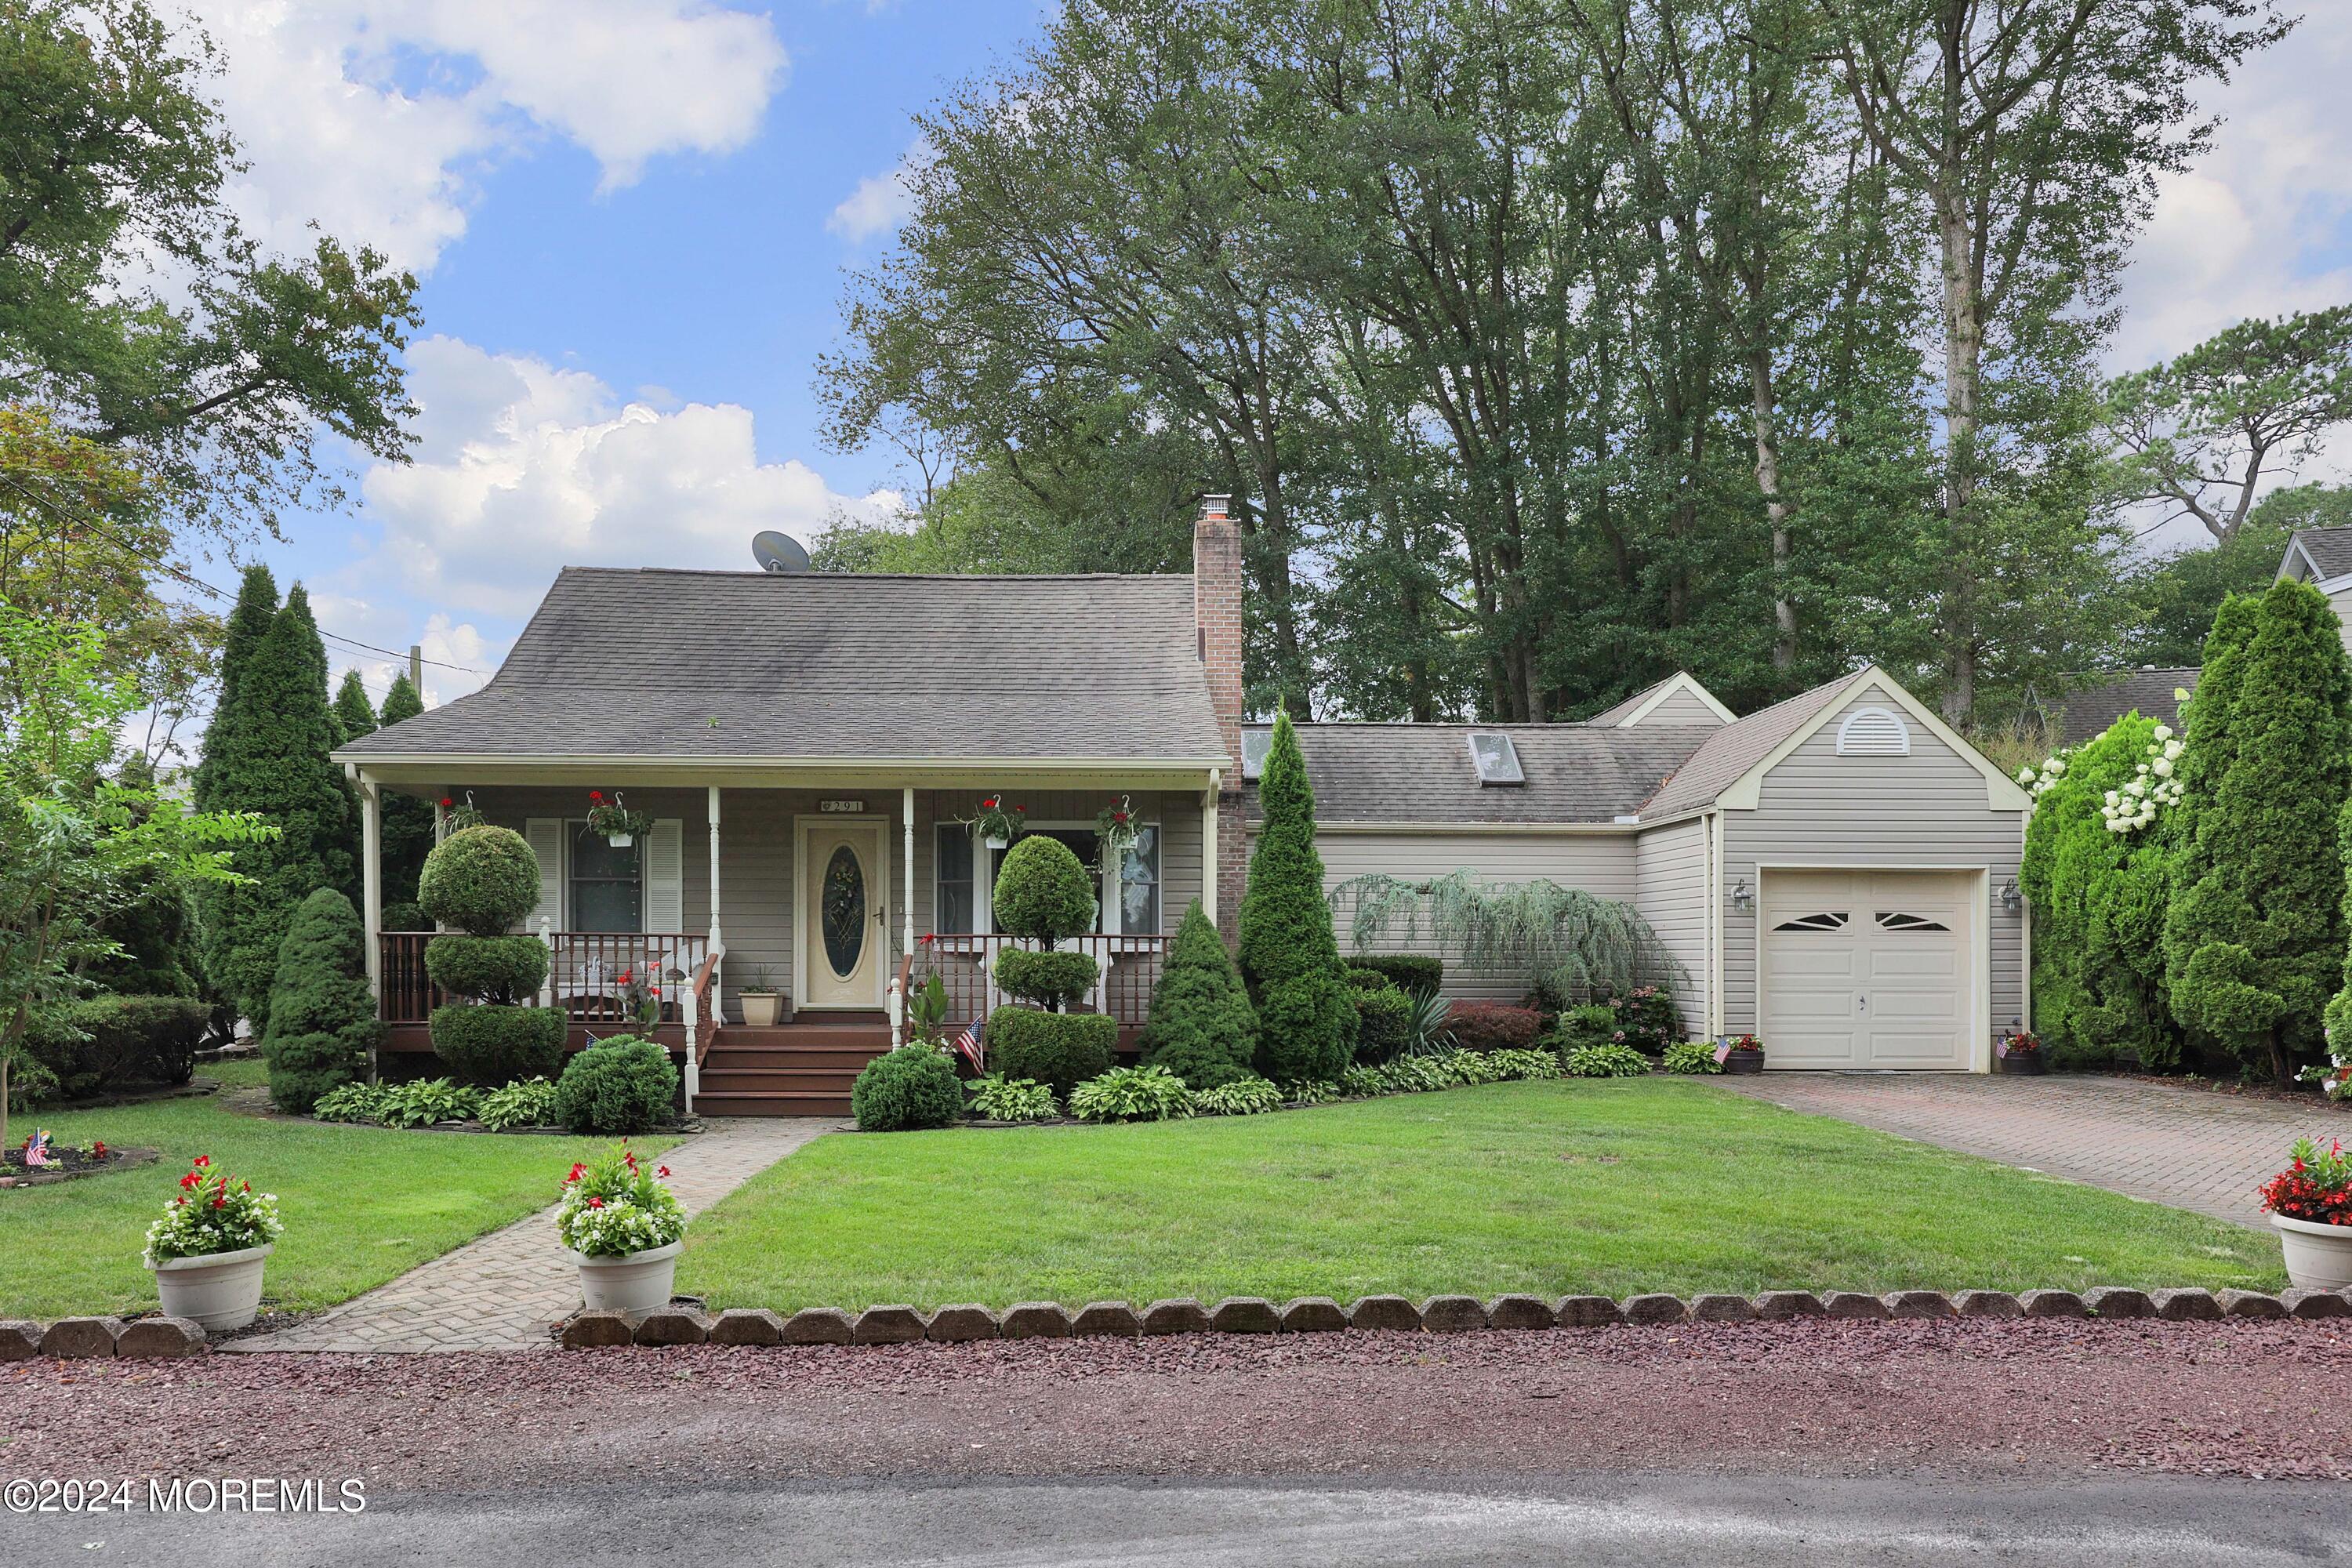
1867	969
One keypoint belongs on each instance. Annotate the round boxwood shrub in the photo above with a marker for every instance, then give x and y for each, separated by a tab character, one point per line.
1052	980
495	968
1383	1024
1042	893
489	1045
1059	1050
621	1085
911	1088
480	879
1416	972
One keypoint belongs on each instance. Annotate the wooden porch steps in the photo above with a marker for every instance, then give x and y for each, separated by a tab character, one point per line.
789	1069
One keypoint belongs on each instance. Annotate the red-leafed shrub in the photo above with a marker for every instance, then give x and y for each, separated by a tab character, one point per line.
2317	1187
1493	1026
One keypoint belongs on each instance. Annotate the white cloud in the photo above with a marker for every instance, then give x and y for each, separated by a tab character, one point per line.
525	468
879	204
372	116
459	657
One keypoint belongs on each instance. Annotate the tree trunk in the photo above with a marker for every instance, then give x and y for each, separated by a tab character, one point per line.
1776	511
1963	363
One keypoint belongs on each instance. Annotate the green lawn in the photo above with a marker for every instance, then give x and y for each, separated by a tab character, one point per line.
1608	1187
360	1204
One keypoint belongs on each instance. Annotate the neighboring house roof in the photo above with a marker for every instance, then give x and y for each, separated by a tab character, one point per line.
1733	751
2329	552
1639	707
1575	773
712	665
2147	691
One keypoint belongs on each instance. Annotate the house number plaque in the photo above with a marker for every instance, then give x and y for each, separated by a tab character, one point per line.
850	806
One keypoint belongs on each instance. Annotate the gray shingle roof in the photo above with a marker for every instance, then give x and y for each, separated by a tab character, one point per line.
1734	748
2148	692
1617	712
2330	550
642	662
1422	772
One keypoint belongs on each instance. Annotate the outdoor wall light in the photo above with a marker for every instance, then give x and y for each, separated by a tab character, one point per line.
2013	898
1743	897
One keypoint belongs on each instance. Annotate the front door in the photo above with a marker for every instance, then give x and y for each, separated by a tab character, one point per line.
845	927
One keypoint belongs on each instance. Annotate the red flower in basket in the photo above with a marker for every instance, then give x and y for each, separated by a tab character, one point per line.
446	803
597	795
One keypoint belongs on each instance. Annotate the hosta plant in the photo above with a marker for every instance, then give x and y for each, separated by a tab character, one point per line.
525	1103
615	1207
1312	1091
1691	1056
1361	1082
425	1101
213	1213
1610	1060
999	1099
2316	1187
363	1102
1523	1064
1242	1096
1131	1094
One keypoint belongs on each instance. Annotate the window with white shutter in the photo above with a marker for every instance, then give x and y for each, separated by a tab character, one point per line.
664	872
545	836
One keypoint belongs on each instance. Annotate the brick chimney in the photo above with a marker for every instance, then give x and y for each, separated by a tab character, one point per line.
1217	622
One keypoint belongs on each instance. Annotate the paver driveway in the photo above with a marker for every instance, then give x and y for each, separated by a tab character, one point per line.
502	1291
2191	1148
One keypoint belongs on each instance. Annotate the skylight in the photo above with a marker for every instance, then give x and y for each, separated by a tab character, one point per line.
1256	744
1496	760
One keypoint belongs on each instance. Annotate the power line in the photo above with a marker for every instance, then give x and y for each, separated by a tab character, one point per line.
350	645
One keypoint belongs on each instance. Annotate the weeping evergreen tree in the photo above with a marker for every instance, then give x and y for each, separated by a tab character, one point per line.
1562	938
353	711
2254	936
1289	956
267	752
407	820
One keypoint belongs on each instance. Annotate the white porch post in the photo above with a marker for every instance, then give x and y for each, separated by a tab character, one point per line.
718	941
906	904
371	894
1209	847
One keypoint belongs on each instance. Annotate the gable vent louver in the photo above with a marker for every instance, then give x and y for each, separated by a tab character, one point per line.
1873	732
1496	760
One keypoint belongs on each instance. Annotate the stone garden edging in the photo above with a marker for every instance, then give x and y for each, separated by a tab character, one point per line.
74	1339
687	1324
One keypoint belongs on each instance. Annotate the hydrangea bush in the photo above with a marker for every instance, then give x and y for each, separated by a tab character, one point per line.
617	1206
213	1213
2132	805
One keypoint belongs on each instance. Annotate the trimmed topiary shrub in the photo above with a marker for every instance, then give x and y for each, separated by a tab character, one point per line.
621	1085
1042	893
1493	1026
486	1045
480	880
1415	972
499	969
322	1018
1366	979
1383	1024
1202	1027
1053	980
1289	957
908	1090
1060	1050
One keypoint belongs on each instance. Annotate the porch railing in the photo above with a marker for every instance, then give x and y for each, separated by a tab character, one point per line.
966	966
589	974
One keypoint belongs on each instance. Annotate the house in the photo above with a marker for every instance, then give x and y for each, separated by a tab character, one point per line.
1837	871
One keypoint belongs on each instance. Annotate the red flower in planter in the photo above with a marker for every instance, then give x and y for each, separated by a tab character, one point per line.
578	1171
446	803
189	1180
201	1160
597	795
220	1201
596	1202
661	1170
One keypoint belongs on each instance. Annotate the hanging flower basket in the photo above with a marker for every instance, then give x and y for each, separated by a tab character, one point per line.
1116	832
998	824
617	823
457	818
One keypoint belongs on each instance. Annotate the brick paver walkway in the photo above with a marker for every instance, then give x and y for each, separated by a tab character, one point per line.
502	1291
2191	1148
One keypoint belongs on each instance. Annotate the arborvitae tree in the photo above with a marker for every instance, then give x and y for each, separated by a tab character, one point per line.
353	711
248	622
407	820
274	761
2339	1016
322	1016
2254	938
1289	955
1203	1028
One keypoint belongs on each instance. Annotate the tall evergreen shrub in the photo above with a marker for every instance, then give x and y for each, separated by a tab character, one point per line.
408	819
322	1021
1289	954
2254	935
1202	1027
354	714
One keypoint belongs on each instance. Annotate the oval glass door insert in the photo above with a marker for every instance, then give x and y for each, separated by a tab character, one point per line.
842	913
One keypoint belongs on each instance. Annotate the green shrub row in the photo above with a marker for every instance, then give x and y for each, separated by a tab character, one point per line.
104	1042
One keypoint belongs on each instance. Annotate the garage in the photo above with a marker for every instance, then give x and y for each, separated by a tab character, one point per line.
1868	968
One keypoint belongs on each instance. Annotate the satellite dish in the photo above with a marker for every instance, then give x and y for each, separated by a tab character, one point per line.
779	552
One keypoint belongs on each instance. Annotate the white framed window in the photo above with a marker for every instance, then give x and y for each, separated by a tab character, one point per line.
605	887
955	893
964	874
1873	732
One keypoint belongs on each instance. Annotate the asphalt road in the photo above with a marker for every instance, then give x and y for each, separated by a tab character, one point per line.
1658	1522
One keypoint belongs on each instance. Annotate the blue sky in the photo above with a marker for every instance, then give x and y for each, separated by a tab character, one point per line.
631	219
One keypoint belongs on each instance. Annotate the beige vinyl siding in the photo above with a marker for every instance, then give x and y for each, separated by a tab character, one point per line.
1670	891
2342	600
1683	708
1924	810
1602	864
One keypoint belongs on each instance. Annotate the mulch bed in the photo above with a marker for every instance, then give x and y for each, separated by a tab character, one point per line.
2309	1097
72	1166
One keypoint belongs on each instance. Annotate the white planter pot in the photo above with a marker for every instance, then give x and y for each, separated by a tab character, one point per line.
620	840
759	1008
2319	1257
996	841
634	1283
218	1292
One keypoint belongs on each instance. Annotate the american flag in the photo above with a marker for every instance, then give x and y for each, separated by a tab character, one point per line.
967	1041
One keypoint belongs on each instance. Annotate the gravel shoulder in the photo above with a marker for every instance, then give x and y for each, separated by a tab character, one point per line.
1991	1401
